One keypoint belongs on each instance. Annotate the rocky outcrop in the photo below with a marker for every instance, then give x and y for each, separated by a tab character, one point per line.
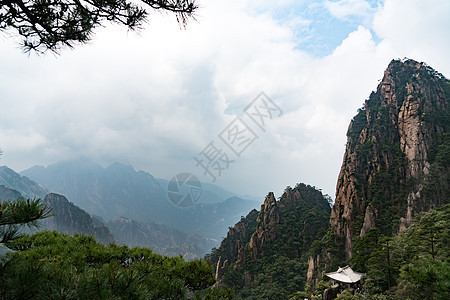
313	268
391	163
268	217
232	248
70	219
285	228
369	220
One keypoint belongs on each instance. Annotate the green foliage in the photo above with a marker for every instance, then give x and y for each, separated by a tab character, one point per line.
16	214
358	123
364	248
299	296
279	267
50	264
48	24
322	285
347	295
412	265
428	279
273	278
437	184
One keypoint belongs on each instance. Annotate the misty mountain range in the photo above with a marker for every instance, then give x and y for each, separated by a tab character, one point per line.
132	204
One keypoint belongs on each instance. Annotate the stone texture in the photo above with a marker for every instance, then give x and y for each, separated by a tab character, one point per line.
408	93
70	219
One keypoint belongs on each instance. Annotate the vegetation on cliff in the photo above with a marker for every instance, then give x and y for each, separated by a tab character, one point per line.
396	163
396	167
265	255
414	264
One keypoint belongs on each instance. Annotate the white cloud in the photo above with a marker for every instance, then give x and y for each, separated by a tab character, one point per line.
157	99
416	29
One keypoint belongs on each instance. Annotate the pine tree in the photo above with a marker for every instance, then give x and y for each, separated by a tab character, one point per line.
21	212
51	24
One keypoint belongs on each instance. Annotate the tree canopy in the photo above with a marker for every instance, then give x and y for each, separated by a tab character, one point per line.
51	265
51	24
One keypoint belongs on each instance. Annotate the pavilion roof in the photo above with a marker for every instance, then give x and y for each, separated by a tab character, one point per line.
345	275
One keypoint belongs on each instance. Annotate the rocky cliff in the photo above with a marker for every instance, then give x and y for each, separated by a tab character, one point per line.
265	253
70	219
396	162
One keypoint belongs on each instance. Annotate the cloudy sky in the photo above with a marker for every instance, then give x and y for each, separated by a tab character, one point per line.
158	98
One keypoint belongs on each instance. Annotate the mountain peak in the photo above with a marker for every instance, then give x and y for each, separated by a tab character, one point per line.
120	167
389	172
22	184
279	234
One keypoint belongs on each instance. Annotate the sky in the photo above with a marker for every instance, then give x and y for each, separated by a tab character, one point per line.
168	100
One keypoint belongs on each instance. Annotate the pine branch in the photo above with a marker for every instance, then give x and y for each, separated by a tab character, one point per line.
16	214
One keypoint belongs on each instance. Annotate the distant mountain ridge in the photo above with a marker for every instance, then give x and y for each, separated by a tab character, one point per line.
70	219
108	192
161	238
211	193
21	184
120	191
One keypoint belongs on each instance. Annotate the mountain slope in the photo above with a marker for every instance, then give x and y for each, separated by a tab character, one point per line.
161	238
396	162
22	184
7	194
265	253
108	192
70	219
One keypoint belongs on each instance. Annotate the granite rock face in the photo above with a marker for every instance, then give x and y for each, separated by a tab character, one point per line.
70	219
293	222
396	159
